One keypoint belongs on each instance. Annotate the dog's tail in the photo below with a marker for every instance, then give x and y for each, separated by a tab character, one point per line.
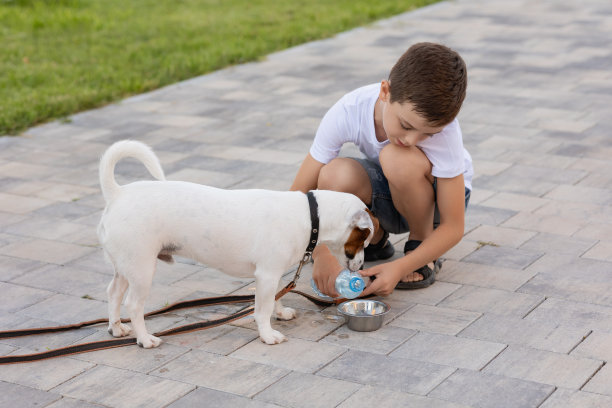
118	151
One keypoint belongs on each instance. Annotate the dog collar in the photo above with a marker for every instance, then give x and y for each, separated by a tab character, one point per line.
314	222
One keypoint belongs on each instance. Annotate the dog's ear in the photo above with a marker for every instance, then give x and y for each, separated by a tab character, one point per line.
362	220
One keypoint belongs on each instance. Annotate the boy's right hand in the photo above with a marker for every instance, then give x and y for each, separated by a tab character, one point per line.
325	270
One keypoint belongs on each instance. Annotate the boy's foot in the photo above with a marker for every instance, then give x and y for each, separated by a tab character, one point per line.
422	277
383	249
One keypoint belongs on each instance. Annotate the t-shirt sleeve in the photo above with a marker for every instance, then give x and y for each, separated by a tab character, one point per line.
334	130
445	152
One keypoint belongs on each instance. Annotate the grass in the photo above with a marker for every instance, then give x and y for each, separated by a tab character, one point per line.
59	57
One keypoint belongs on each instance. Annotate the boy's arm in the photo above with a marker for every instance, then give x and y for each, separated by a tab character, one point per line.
451	205
307	176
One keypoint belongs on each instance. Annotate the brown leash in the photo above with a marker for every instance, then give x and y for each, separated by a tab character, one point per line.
122	342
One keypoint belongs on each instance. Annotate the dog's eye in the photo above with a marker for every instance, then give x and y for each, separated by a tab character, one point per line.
349	255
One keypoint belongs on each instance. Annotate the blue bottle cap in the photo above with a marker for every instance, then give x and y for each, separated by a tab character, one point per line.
357	284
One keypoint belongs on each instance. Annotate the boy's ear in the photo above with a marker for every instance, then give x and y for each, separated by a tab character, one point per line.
385	93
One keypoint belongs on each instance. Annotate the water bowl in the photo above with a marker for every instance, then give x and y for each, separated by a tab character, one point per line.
363	314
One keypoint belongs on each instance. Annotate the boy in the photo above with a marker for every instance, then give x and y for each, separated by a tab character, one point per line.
416	172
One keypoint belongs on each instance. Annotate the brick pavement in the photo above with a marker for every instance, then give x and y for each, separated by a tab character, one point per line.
521	315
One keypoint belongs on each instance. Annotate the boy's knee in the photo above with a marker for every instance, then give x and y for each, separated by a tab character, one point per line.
336	176
404	164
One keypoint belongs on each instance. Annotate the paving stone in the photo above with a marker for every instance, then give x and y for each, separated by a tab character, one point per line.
483	215
219	340
580	214
542	335
595	346
498	302
66	309
45	251
70	211
18	297
601	383
581	194
435	319
213	281
47	374
121	388
306	390
500	236
551	224
221	373
449	350
601	251
578	314
508	183
484	390
432	296
217	399
11	268
461	250
569	282
371	396
486	276
564	398
544	367
45	228
16	204
594	231
551	243
13	395
296	355
381	341
503	256
72	403
62	279
380	371
133	358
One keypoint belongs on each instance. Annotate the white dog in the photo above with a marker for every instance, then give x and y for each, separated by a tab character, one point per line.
243	233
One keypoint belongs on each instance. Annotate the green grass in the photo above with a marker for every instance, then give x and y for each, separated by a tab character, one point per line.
61	56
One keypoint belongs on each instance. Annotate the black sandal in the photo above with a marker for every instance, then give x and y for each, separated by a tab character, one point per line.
429	275
383	249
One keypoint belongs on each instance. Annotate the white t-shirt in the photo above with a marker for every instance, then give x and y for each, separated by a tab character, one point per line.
351	119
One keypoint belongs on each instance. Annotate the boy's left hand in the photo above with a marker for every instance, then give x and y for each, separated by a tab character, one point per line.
387	276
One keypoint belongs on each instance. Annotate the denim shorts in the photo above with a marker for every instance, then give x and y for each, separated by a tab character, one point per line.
382	205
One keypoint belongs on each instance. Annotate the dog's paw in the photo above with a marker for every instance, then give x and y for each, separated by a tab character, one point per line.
286	313
148	341
119	329
272	337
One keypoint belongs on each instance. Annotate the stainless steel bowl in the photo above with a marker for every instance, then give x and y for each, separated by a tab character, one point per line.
363	314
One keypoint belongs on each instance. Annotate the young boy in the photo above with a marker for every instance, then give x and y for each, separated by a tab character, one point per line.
416	172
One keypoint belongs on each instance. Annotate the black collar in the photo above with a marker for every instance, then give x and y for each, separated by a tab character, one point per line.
314	221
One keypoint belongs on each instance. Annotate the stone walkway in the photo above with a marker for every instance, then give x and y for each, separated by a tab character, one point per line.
521	315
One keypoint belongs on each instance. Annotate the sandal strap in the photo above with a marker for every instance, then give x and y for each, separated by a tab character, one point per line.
411	245
380	244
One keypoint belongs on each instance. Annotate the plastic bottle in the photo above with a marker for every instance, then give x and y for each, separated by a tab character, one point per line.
348	284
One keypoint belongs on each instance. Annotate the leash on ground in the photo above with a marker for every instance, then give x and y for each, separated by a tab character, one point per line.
128	341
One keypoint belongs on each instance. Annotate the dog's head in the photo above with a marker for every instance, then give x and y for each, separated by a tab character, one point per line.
362	227
347	226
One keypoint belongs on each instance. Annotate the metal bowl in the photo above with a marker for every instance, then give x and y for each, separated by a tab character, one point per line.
363	314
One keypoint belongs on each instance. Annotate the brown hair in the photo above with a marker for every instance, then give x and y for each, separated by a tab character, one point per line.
433	78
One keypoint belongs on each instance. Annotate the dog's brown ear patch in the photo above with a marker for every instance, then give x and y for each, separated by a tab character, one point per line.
375	221
355	241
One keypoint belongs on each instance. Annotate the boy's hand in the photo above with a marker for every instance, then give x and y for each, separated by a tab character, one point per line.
387	276
325	270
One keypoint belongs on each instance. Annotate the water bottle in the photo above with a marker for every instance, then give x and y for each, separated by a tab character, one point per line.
348	284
